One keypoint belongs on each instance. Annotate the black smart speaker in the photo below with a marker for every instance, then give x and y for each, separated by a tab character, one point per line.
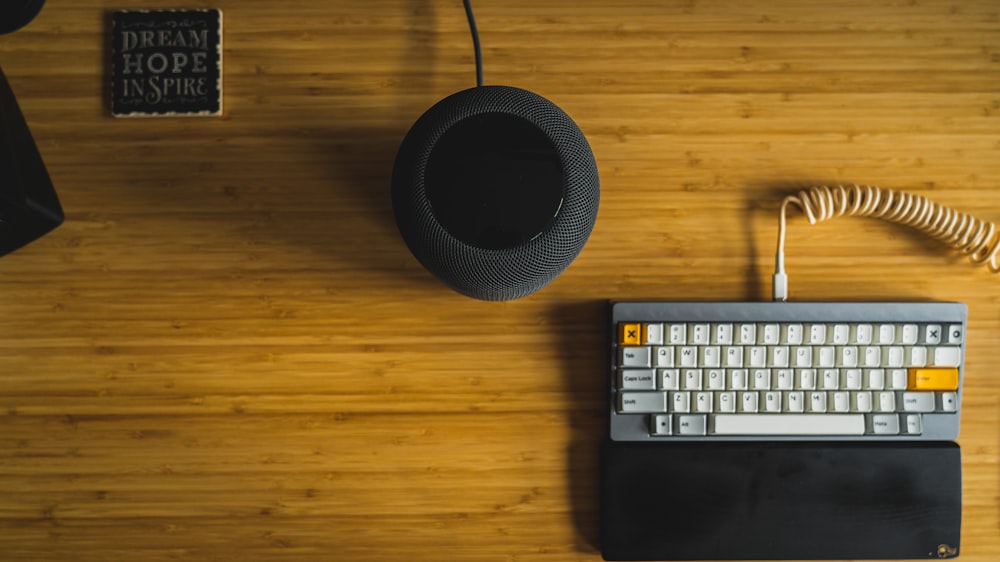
15	14
495	191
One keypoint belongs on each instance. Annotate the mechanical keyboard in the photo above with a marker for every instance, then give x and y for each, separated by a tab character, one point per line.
786	371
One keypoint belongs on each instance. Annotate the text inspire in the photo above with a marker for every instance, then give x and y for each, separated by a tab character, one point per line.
144	71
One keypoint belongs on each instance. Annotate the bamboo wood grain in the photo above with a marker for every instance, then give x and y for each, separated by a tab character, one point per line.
227	353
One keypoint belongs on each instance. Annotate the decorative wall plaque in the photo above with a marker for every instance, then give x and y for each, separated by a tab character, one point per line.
166	63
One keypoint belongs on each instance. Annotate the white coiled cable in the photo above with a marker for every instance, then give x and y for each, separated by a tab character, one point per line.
976	238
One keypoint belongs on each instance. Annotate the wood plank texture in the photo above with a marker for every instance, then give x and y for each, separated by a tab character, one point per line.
227	352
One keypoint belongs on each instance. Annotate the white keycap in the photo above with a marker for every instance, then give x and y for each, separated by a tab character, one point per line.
932	334
643	402
638	379
654	334
677	334
660	424
949	402
761	379
779	356
734	356
771	335
910	334
898	377
817	334
863	401
886	334
669	379
862	334
711	356
817	401
841	402
680	401
873	356
955	334
885	424
831	379
722	334
803	356
700	334
635	356
827	356
772	401
692	379
793	334
716	379
886	401
784	379
918	401
748	401
747	334
917	356
789	424
893	356
703	402
847	356
727	402
875	379
795	401
664	356
913	426
691	425
841	334
687	356
947	356
738	379
807	379
756	356
852	379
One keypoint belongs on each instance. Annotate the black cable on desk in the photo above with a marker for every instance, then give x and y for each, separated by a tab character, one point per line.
475	42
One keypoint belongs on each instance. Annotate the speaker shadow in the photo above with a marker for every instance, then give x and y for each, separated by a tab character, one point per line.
583	349
350	153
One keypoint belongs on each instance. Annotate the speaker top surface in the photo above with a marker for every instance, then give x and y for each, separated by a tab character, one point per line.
495	191
494	180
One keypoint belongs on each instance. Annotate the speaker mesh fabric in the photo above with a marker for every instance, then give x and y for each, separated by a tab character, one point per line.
507	273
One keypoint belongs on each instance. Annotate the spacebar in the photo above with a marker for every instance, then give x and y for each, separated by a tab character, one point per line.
789	424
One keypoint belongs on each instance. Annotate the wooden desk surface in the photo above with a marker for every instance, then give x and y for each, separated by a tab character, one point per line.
227	352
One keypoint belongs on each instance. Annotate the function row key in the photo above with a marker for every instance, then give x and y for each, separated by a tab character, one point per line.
654	333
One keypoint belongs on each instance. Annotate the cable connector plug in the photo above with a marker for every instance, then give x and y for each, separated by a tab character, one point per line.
780	280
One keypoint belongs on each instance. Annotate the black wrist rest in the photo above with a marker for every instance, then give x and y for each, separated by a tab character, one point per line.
784	500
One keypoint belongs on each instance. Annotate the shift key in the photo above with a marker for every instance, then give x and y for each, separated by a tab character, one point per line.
642	402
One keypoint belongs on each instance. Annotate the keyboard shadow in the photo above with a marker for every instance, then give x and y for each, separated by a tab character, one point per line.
583	352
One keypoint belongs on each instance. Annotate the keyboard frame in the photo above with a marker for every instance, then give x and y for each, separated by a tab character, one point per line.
634	427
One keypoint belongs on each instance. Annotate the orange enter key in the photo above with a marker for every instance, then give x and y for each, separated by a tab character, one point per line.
927	378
